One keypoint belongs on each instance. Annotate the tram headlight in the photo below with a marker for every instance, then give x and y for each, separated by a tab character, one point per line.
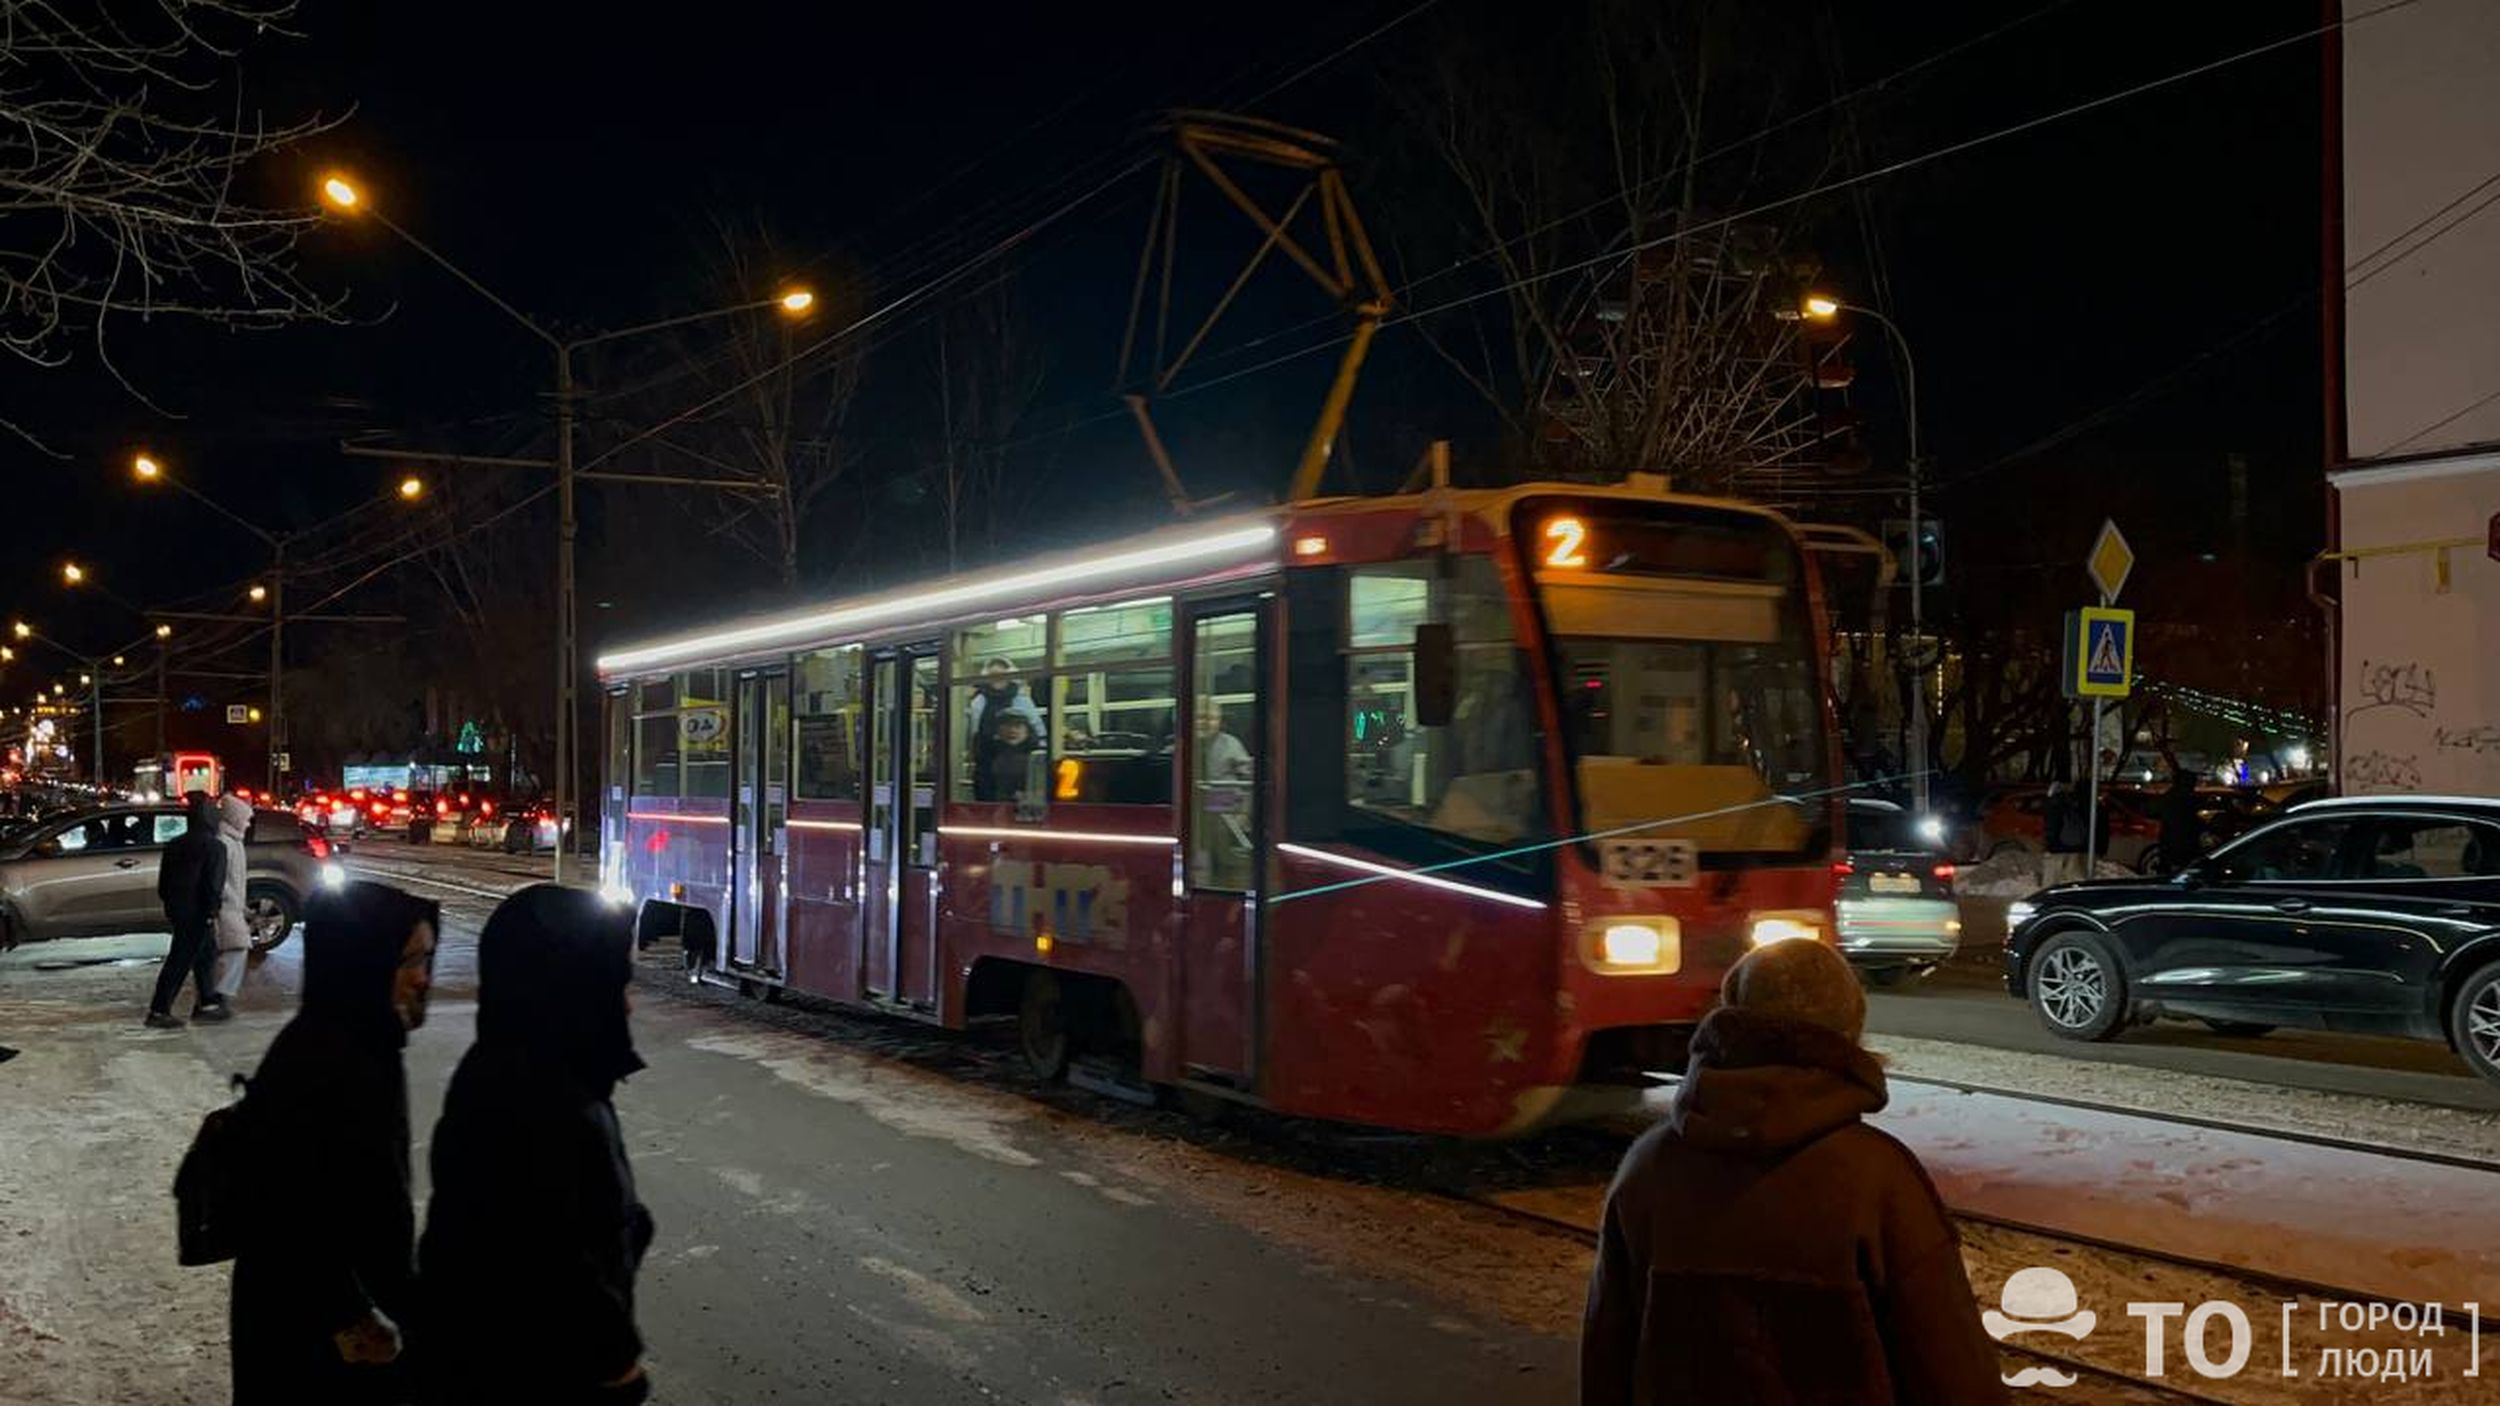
1625	946
1763	929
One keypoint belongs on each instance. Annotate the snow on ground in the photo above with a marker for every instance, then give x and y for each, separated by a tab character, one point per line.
2018	873
2380	1122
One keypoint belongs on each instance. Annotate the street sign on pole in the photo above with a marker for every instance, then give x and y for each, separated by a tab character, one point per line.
2099	653
2110	561
238	713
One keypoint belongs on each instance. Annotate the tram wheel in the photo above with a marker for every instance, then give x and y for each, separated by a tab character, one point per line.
1042	1027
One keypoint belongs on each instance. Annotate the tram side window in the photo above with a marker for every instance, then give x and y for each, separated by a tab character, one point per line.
1114	704
1473	780
703	733
826	706
1002	745
656	755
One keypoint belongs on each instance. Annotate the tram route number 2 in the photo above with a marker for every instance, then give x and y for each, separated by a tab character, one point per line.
1668	864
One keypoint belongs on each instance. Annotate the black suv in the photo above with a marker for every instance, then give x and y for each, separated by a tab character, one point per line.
2378	915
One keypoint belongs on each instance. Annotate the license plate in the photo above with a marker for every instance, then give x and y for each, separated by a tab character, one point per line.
1892	883
1648	863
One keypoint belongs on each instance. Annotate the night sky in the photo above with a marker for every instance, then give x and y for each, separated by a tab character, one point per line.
573	160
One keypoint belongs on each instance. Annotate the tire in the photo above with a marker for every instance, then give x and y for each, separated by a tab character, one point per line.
2077	988
2474	1021
2244	1029
1042	1033
271	912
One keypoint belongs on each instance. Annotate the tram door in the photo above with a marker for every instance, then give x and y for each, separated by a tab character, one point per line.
1226	782
901	890
759	826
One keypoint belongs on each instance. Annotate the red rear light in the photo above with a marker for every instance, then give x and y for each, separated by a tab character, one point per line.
486	807
1842	868
1945	872
319	847
442	808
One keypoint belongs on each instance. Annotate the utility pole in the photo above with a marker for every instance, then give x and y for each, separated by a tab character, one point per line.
567	662
277	655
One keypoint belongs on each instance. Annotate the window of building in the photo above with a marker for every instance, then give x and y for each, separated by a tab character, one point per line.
826	704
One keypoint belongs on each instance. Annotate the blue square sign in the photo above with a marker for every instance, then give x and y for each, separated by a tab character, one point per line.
2100	653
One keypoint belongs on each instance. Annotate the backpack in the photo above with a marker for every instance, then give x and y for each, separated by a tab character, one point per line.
214	1187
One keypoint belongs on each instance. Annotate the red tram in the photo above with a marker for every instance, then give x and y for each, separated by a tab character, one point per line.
1444	811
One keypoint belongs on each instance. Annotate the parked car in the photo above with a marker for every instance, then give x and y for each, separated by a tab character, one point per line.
2377	915
2012	822
94	873
1897	917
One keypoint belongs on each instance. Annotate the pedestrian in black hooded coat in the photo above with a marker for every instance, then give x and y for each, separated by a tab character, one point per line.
322	1278
533	1236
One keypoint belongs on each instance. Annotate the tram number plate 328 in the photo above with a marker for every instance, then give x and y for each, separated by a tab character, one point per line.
1648	863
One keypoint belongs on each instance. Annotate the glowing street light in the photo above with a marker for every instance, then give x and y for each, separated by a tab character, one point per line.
85	679
341	192
146	467
73	573
259	594
117	661
164	632
1822	307
412	488
22	630
797	300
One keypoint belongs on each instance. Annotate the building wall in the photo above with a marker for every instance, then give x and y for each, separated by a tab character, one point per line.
2421	124
2419	687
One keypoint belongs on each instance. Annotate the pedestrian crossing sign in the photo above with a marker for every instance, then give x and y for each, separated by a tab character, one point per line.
2100	653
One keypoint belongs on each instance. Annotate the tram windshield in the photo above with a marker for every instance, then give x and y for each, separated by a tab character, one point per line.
1690	697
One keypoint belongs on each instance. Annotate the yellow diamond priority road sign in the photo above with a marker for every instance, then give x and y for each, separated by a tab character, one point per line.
2110	561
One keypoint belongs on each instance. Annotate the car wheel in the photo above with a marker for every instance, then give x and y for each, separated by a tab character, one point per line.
2247	1029
1042	1028
270	913
2076	987
2474	1021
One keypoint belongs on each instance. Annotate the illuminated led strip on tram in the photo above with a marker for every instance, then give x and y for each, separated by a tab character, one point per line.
1383	871
822	824
1239	543
986	832
675	818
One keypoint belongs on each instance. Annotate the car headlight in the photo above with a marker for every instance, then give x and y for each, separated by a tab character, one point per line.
2019	912
1637	945
1763	929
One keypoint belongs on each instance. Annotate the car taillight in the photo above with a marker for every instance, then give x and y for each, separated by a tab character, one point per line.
441	808
1842	868
1945	872
486	807
317	847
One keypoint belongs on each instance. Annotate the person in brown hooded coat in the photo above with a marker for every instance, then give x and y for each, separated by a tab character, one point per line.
1764	1245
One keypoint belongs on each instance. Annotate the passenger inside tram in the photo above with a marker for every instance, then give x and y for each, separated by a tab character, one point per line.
1006	774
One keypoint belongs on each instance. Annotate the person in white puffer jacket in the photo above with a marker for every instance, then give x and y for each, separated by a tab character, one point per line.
234	927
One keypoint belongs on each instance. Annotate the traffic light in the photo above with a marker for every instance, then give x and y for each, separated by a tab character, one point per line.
1926	563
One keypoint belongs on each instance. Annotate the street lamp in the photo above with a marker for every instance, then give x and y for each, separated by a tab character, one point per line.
146	467
412	488
344	195
259	594
72	573
1823	308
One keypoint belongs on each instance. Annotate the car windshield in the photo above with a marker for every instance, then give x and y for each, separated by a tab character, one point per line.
1882	828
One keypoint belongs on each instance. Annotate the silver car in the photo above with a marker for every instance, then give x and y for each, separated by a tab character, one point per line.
94	873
